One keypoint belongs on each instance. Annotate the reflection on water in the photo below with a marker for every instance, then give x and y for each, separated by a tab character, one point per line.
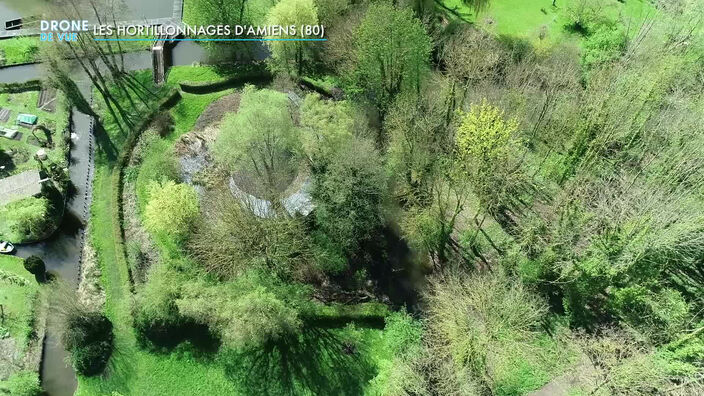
7	13
13	9
150	8
135	9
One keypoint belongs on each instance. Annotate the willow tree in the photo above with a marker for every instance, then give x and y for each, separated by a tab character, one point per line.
291	56
392	54
259	143
102	62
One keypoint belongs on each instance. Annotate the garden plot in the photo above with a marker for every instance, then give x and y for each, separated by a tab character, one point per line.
19	149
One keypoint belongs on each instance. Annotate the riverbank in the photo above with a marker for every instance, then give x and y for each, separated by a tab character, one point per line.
28	218
22	325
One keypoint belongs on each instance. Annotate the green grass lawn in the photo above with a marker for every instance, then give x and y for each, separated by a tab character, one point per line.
18	300
19	50
527	18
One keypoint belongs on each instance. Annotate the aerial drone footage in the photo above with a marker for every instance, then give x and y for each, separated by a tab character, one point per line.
351	197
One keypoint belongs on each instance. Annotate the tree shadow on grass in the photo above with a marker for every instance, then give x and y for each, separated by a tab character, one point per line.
105	145
193	338
7	163
318	361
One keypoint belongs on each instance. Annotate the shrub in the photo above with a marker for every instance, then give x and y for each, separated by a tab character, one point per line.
244	313
35	265
163	123
155	311
606	44
26	219
24	383
89	338
172	208
158	164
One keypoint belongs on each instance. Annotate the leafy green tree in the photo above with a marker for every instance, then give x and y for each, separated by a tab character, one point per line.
419	139
483	134
172	208
350	194
89	338
215	12
392	54
292	56
35	265
486	146
260	140
245	313
326	125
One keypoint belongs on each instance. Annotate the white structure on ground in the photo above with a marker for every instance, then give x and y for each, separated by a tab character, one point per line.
299	202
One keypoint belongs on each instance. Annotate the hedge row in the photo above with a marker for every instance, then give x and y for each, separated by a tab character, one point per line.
322	88
31	85
256	75
117	182
369	314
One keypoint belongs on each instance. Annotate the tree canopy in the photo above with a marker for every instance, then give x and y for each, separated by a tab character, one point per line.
392	53
172	208
292	57
260	142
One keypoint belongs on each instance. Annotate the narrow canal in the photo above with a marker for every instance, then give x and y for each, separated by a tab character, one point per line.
62	252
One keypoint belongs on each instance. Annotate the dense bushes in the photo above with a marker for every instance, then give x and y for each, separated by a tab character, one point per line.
89	338
31	85
172	208
245	313
22	384
26	220
85	333
35	265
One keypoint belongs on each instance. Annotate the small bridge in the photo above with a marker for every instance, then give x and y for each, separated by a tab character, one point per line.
161	54
6	34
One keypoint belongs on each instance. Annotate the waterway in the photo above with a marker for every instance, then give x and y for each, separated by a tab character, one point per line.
62	252
134	9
